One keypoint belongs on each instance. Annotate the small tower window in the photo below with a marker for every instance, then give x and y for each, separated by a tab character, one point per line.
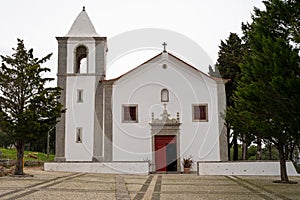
79	96
79	135
164	95
81	60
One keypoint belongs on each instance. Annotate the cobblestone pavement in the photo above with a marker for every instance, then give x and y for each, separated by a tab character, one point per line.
60	185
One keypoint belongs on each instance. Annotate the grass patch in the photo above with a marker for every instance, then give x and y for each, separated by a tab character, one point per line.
11	154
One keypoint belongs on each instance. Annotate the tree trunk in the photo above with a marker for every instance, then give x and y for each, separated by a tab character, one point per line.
228	140
258	150
291	151
270	150
20	158
286	151
283	172
244	148
235	148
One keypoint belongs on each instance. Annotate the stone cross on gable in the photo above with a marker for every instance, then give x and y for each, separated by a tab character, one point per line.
164	44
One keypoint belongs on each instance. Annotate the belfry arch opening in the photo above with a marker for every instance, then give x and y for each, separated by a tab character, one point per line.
81	62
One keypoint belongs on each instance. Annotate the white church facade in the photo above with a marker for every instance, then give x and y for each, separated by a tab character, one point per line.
163	110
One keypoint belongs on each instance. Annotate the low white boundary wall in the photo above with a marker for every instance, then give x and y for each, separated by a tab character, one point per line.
259	168
141	168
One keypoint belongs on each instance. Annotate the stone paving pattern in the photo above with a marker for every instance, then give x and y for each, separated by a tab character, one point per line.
61	185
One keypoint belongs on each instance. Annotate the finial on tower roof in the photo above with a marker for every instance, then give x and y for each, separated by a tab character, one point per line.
82	26
164	44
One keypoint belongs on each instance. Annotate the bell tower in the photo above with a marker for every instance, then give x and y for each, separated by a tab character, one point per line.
81	65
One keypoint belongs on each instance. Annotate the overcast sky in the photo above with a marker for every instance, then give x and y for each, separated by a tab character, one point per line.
38	22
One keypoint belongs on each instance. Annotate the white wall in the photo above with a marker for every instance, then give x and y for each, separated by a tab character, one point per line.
132	141
80	115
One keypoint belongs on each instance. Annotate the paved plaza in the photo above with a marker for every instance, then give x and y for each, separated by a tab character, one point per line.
61	185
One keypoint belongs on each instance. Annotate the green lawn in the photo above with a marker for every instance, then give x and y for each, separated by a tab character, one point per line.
12	155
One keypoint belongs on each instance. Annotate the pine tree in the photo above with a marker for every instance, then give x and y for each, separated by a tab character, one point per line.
227	67
266	98
28	108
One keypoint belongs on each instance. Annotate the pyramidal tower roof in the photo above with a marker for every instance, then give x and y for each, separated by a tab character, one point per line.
82	26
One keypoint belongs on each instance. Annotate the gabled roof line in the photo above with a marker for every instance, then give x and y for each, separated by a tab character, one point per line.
189	65
135	68
211	77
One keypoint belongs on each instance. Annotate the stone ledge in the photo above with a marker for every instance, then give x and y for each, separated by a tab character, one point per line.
141	168
259	168
31	163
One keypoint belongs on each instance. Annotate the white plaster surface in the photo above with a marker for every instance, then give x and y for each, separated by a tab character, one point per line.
187	86
79	115
259	168
141	168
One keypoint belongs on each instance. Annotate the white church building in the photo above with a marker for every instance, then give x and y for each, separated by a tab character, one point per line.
162	111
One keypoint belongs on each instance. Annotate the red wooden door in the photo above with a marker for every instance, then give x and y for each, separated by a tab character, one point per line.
161	144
